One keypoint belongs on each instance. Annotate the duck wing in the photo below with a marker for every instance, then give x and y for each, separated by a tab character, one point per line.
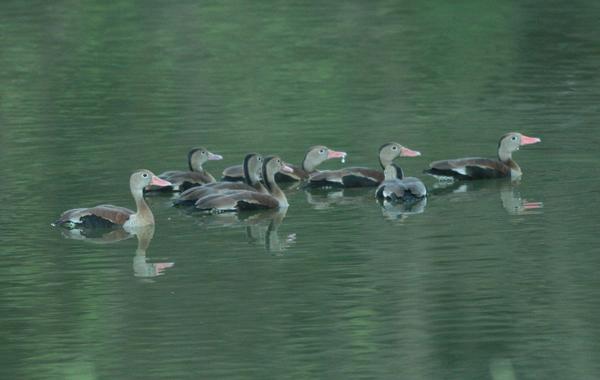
469	168
233	173
98	216
183	180
190	196
347	177
236	201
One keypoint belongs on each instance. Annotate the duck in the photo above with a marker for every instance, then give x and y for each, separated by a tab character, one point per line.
182	180
315	155
252	173
484	168
106	216
396	187
240	200
359	176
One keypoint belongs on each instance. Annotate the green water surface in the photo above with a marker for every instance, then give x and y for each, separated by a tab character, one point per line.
470	286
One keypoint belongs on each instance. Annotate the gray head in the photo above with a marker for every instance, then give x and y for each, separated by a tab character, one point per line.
198	156
511	142
142	178
272	165
252	168
388	152
318	154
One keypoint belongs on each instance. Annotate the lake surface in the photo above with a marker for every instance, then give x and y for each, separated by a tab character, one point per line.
472	285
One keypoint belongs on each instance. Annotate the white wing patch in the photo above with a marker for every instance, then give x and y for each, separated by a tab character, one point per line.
443	178
461	170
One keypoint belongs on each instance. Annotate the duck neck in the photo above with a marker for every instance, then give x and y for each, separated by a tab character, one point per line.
308	165
515	169
260	188
506	158
195	166
254	182
143	214
249	178
504	155
275	191
208	175
399	172
384	162
396	173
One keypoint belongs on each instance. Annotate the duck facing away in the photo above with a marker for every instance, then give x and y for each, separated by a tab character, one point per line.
315	156
252	173
195	176
359	176
250	200
485	168
396	187
109	215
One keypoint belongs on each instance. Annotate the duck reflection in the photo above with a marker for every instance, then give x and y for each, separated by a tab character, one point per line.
262	227
514	204
401	210
141	266
97	235
510	197
268	234
324	198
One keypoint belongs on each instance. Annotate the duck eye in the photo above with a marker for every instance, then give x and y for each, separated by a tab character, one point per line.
394	147
321	151
145	175
514	138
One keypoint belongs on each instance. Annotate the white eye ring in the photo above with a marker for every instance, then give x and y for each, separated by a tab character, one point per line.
514	138
321	151
394	147
144	175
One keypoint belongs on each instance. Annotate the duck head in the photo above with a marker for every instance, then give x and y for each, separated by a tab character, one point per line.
198	156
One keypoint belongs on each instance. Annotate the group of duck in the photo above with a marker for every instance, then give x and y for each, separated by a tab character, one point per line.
253	184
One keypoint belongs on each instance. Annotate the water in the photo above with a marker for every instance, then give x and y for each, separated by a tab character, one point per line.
469	286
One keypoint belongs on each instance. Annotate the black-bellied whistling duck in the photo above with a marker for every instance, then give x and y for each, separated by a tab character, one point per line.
315	156
358	176
396	187
250	200
484	168
252	173
196	176
109	215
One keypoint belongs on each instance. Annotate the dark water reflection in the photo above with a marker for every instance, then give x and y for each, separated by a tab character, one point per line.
261	228
144	235
510	196
481	282
395	210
